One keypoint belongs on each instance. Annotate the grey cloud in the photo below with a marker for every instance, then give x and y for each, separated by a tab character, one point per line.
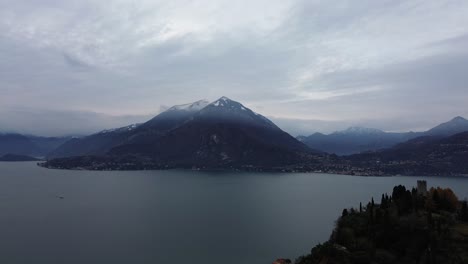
75	63
376	63
73	123
414	95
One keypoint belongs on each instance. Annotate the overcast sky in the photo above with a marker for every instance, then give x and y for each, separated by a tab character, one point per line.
77	66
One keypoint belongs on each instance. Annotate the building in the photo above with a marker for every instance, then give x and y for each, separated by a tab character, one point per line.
422	187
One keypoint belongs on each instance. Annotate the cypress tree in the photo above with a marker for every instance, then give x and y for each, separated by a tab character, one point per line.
464	211
344	213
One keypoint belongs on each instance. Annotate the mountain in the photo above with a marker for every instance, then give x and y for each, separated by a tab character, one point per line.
426	155
224	133
165	121
95	144
102	142
36	146
17	144
15	157
452	127
46	145
221	134
354	140
358	139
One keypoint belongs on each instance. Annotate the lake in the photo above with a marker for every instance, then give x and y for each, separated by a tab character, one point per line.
176	216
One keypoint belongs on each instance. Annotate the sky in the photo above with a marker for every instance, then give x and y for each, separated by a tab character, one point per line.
78	66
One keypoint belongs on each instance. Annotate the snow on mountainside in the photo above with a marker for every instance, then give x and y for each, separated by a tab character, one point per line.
120	129
191	107
230	110
171	118
224	101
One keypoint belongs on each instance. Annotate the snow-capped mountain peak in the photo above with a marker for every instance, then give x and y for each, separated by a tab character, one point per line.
227	109
226	102
231	104
191	107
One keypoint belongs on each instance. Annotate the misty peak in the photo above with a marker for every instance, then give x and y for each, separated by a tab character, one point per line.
190	107
456	125
227	109
458	119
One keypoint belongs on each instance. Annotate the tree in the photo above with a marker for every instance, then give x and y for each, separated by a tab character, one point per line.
444	199
464	211
344	213
435	196
383	202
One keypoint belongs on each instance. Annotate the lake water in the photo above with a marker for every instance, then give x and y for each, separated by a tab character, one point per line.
175	216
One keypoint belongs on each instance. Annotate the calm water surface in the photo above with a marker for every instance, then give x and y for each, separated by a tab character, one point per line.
175	216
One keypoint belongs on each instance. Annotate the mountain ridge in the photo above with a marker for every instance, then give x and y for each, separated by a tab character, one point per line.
360	139
426	155
102	142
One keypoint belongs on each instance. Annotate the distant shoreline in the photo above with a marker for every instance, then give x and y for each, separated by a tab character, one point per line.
250	169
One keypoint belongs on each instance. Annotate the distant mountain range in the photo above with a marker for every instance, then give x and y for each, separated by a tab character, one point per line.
11	143
357	139
225	134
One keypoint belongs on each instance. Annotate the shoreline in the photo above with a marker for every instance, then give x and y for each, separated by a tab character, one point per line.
252	170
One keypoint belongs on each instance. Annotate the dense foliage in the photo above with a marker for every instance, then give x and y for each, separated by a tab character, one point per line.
406	227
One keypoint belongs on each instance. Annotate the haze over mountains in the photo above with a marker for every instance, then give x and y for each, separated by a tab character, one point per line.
11	143
426	155
357	139
220	134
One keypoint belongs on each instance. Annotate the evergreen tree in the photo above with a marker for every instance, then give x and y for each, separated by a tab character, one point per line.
435	196
344	213
464	211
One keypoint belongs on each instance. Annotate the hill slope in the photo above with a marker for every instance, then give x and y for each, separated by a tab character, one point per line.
428	155
17	144
102	142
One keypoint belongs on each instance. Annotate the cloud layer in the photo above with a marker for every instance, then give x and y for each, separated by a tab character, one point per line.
395	65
